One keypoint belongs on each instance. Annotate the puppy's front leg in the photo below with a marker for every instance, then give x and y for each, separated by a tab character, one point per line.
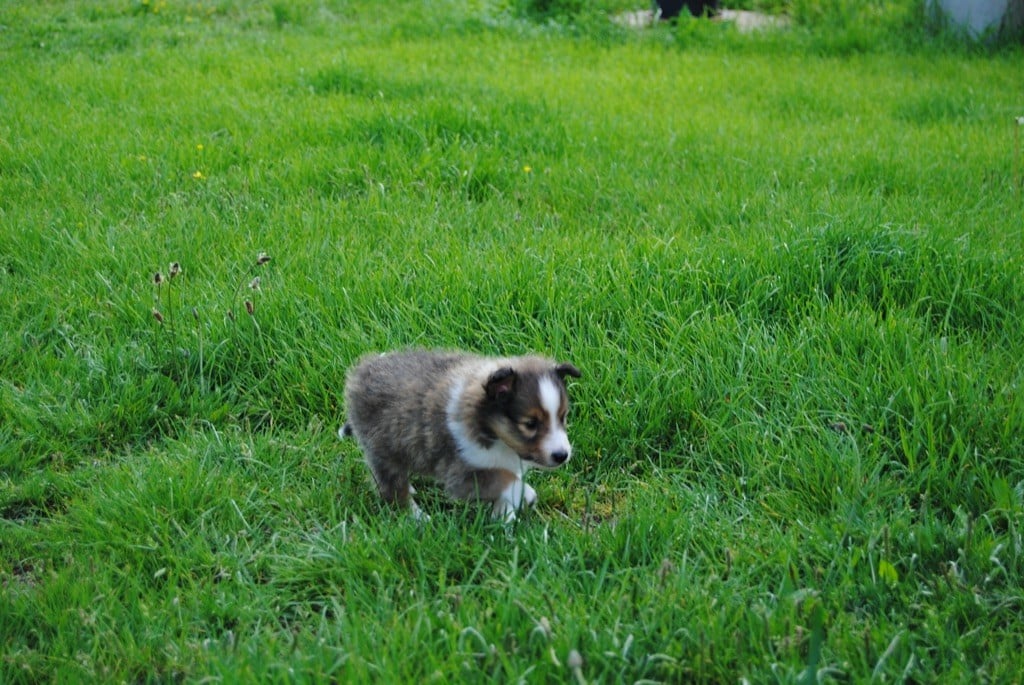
504	489
529	495
512	498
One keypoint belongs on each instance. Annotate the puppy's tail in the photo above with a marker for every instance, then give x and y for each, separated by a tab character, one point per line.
345	431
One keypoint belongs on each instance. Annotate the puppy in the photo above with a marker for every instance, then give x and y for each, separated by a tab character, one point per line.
475	424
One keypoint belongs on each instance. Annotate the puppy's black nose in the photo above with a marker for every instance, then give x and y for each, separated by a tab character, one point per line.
559	457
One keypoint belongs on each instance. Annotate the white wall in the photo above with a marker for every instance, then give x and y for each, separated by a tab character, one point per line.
981	16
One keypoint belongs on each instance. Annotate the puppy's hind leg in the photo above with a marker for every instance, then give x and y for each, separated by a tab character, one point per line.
393	485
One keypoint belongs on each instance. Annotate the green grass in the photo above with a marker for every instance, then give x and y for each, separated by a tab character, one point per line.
789	265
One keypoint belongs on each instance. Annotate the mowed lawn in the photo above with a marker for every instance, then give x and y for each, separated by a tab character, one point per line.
790	266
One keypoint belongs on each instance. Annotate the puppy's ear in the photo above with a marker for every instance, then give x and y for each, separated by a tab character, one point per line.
567	369
500	383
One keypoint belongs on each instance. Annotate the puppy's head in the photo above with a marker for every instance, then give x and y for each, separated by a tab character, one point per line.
525	406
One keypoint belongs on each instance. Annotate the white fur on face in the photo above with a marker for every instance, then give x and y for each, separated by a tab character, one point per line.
551	399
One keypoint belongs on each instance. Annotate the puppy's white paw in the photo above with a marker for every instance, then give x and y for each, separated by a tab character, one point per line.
529	495
513	498
505	511
417	513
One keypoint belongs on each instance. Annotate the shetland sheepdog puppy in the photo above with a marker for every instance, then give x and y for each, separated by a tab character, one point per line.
475	424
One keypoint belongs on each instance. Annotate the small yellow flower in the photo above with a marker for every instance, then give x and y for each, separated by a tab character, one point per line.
198	175
527	169
199	147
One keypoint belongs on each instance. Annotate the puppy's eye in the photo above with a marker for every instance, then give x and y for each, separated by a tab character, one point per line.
530	425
